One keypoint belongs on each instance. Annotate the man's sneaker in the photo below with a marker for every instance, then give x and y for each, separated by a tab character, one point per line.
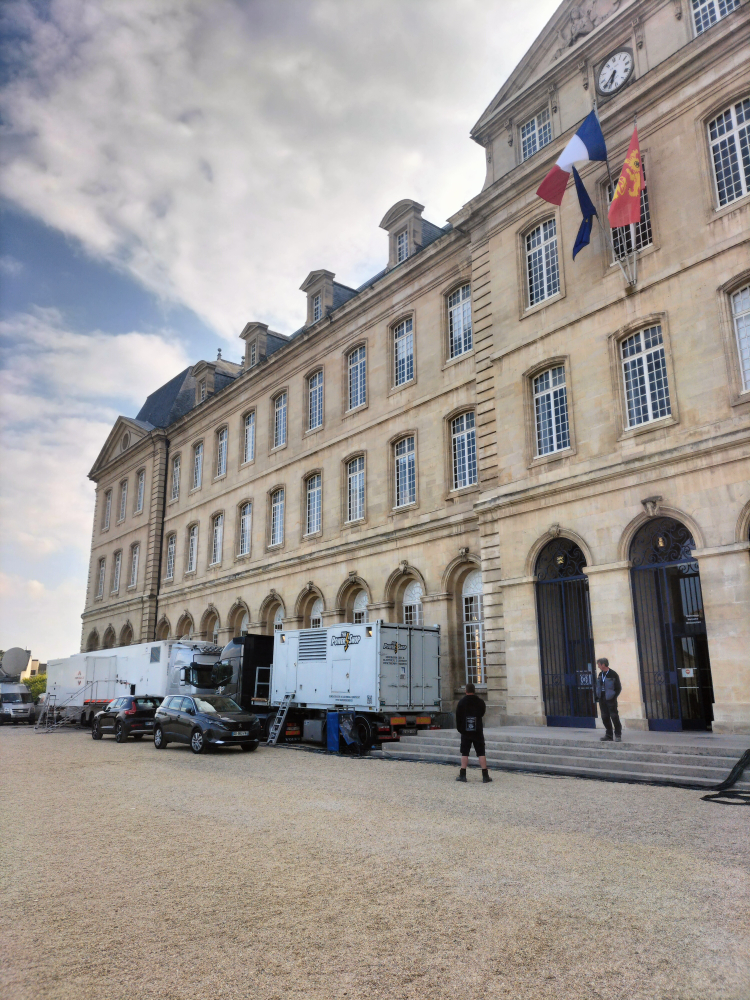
605	739
461	777
618	739
486	777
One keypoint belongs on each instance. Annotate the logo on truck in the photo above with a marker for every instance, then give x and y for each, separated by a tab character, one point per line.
395	646
345	639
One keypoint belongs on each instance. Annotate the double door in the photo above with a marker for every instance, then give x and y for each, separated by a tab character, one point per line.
566	649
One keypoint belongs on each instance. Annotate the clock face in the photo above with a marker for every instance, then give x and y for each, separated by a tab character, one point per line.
615	72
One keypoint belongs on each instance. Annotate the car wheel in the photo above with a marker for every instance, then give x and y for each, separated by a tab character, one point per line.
32	720
249	747
15	722
160	740
96	732
137	736
120	735
198	742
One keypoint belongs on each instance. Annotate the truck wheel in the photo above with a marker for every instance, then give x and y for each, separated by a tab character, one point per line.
96	733
269	725
249	747
160	740
120	735
198	742
364	734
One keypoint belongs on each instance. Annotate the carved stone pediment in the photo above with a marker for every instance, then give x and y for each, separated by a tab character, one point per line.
581	21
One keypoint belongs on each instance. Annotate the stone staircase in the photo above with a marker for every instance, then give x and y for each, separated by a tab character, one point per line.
677	758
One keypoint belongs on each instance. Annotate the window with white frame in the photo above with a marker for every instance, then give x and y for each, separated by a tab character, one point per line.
406	479
278	619
202	390
221	451
402	246
317	308
315	401
316	614
246	523
708	12
473	622
314	498
359	608
248	446
741	319
192	557
116	567
217	538
198	465
175	477
644	370
729	134
542	266
102	575
535	133
279	420
107	511
253	354
464	451
357	377
140	491
459	322
355	489
245	624
171	547
622	237
277	517
403	352
123	500
551	411
412	603
135	552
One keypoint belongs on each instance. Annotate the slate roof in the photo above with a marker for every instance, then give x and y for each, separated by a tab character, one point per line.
170	402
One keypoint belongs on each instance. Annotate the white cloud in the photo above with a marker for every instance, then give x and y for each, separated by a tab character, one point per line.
46	620
10	266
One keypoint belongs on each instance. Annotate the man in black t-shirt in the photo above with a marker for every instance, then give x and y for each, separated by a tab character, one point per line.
469	712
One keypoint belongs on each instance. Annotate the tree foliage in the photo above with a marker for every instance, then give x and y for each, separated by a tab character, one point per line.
36	685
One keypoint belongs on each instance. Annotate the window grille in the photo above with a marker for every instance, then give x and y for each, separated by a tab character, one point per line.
100	582
403	344
140	491
197	466
217	539
123	500
277	517
107	513
463	435
279	422
253	354
645	374
248	451
192	549
314	499
551	411
278	619
406	484
134	554
535	133
402	246
541	262
246	517
221	452
413	604
317	309
359	608
171	546
116	572
730	143
708	12
473	621
315	400
622	241
202	388
316	621
357	378
175	477
741	317
459	321
355	477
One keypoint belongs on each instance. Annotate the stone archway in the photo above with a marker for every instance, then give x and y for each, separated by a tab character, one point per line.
162	630
310	604
92	643
109	640
185	627
239	619
126	635
210	625
272	613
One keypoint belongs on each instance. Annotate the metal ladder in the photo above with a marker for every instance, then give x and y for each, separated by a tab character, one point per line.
49	706
52	720
278	722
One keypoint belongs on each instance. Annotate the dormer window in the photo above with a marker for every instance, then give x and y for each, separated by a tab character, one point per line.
402	246
535	133
202	390
317	308
253	354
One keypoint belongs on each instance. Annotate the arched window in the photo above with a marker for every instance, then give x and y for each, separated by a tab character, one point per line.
212	629
413	604
359	608
473	621
126	636
316	614
92	642
245	624
246	518
109	638
278	619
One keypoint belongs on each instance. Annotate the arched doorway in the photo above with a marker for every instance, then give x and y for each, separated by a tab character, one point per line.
670	627
566	644
472	607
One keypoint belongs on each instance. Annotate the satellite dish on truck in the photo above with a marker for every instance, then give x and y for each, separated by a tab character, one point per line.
15	661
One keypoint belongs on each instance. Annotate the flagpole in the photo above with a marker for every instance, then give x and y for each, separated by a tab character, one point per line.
632	224
608	236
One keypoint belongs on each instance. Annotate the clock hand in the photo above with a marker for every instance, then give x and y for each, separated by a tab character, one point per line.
611	79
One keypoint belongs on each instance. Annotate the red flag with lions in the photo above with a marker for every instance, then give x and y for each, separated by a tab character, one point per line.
626	204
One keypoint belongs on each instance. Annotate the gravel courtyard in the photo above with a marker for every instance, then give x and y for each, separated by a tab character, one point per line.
129	872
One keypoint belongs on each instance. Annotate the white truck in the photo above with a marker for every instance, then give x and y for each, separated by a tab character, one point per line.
80	685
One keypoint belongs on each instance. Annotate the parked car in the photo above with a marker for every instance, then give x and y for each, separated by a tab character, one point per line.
127	716
205	721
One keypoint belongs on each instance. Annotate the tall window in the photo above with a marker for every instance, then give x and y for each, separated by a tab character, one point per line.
123	500
192	558
473	621
535	133
459	321
622	241
355	478
198	465
253	354
402	246
248	448
314	494
202	390
246	523
317	309
116	567
541	262
316	614
741	317
100	581
413	604
221	451
464	442
359	608
708	12
134	554
140	491
551	411
644	371
403	352
175	477
315	401
217	538
730	151
279	420
406	482
107	512
357	377
277	517
171	546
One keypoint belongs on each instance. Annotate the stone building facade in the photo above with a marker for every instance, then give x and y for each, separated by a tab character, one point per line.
549	458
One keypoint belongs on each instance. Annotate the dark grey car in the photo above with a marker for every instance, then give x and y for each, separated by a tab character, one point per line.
205	721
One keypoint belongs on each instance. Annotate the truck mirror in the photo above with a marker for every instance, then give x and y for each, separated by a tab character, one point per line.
182	675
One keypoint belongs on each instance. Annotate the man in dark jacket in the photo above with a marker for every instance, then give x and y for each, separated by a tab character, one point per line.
469	712
608	688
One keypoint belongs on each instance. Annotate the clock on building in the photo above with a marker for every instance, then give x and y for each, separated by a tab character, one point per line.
615	72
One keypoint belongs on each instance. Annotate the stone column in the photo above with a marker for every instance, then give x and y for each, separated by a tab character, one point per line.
613	626
725	583
525	704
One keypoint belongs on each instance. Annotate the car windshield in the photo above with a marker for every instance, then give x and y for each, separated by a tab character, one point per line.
202	676
16	698
147	702
214	704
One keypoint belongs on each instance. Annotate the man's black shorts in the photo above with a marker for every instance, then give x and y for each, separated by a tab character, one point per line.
469	739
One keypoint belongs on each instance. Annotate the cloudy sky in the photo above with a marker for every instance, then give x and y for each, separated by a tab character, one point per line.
171	169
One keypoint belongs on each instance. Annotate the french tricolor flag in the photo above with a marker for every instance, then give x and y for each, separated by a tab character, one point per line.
586	144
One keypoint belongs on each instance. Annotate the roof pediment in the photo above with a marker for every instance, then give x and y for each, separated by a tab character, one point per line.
400	211
121	440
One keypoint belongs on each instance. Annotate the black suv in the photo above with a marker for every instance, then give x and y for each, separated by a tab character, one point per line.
123	717
204	721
